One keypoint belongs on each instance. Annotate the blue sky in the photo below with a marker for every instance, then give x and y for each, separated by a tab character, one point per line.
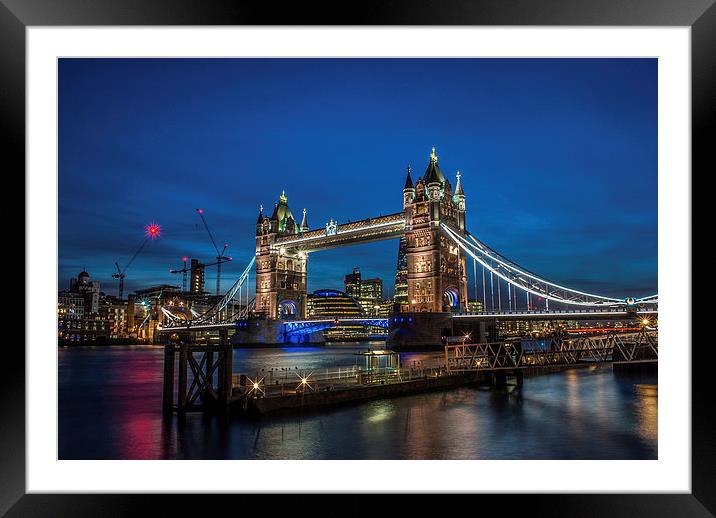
558	157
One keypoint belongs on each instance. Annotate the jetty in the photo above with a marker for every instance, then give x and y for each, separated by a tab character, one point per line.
205	382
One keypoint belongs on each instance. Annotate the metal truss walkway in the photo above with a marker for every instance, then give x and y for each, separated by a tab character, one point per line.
638	347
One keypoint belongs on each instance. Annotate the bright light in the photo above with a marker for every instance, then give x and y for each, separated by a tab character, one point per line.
304	381
153	230
645	321
256	386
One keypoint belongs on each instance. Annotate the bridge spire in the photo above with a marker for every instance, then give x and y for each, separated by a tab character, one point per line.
261	214
458	187
408	180
408	190
433	174
304	222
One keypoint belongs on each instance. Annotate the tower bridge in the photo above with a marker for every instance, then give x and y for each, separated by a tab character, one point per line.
431	278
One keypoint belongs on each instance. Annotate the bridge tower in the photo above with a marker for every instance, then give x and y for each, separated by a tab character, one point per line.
280	274
436	275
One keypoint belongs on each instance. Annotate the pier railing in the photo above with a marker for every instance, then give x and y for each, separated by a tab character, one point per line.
274	383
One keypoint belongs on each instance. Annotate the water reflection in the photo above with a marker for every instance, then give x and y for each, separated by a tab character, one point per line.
646	411
110	408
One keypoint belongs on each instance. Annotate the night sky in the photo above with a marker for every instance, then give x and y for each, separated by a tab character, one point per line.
558	157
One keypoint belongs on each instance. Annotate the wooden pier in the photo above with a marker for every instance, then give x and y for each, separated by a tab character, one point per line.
200	378
205	380
210	367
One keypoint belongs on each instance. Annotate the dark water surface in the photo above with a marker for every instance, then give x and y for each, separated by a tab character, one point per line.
110	408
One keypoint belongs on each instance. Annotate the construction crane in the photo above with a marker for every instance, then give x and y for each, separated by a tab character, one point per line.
220	257
185	270
152	231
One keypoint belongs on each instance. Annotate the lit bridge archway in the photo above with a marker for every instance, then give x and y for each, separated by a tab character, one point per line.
304	327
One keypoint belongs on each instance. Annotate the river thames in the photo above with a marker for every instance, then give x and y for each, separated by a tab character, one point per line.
110	407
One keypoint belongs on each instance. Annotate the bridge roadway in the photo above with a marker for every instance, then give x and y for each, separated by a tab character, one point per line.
323	323
297	324
561	314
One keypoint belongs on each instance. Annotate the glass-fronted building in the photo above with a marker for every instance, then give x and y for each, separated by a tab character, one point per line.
337	304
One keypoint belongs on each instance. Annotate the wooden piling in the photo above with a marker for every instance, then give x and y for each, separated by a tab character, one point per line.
227	369
183	358
168	394
209	364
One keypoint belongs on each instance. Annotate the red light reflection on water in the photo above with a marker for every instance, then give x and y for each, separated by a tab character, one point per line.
134	387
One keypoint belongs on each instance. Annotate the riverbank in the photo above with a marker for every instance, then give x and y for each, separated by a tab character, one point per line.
103	342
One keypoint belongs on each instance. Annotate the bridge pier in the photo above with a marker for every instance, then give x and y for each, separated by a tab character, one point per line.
498	379
263	331
636	369
423	330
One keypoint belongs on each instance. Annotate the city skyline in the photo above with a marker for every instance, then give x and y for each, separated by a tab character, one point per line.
558	160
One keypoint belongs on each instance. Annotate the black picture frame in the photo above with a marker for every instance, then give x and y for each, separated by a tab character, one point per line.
16	15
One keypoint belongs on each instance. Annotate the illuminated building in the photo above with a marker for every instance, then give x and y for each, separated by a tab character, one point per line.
368	292
196	283
385	308
78	311
475	306
70	315
115	313
280	274
523	328
88	289
436	276
70	305
400	297
352	283
372	289
336	304
333	303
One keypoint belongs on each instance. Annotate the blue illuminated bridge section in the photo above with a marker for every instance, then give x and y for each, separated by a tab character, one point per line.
301	327
311	326
304	327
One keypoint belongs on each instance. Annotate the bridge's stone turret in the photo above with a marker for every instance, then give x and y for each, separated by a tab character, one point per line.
280	273
436	274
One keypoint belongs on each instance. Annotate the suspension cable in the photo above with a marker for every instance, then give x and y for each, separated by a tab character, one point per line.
504	265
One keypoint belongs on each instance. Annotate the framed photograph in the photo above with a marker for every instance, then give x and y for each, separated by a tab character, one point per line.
417	250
